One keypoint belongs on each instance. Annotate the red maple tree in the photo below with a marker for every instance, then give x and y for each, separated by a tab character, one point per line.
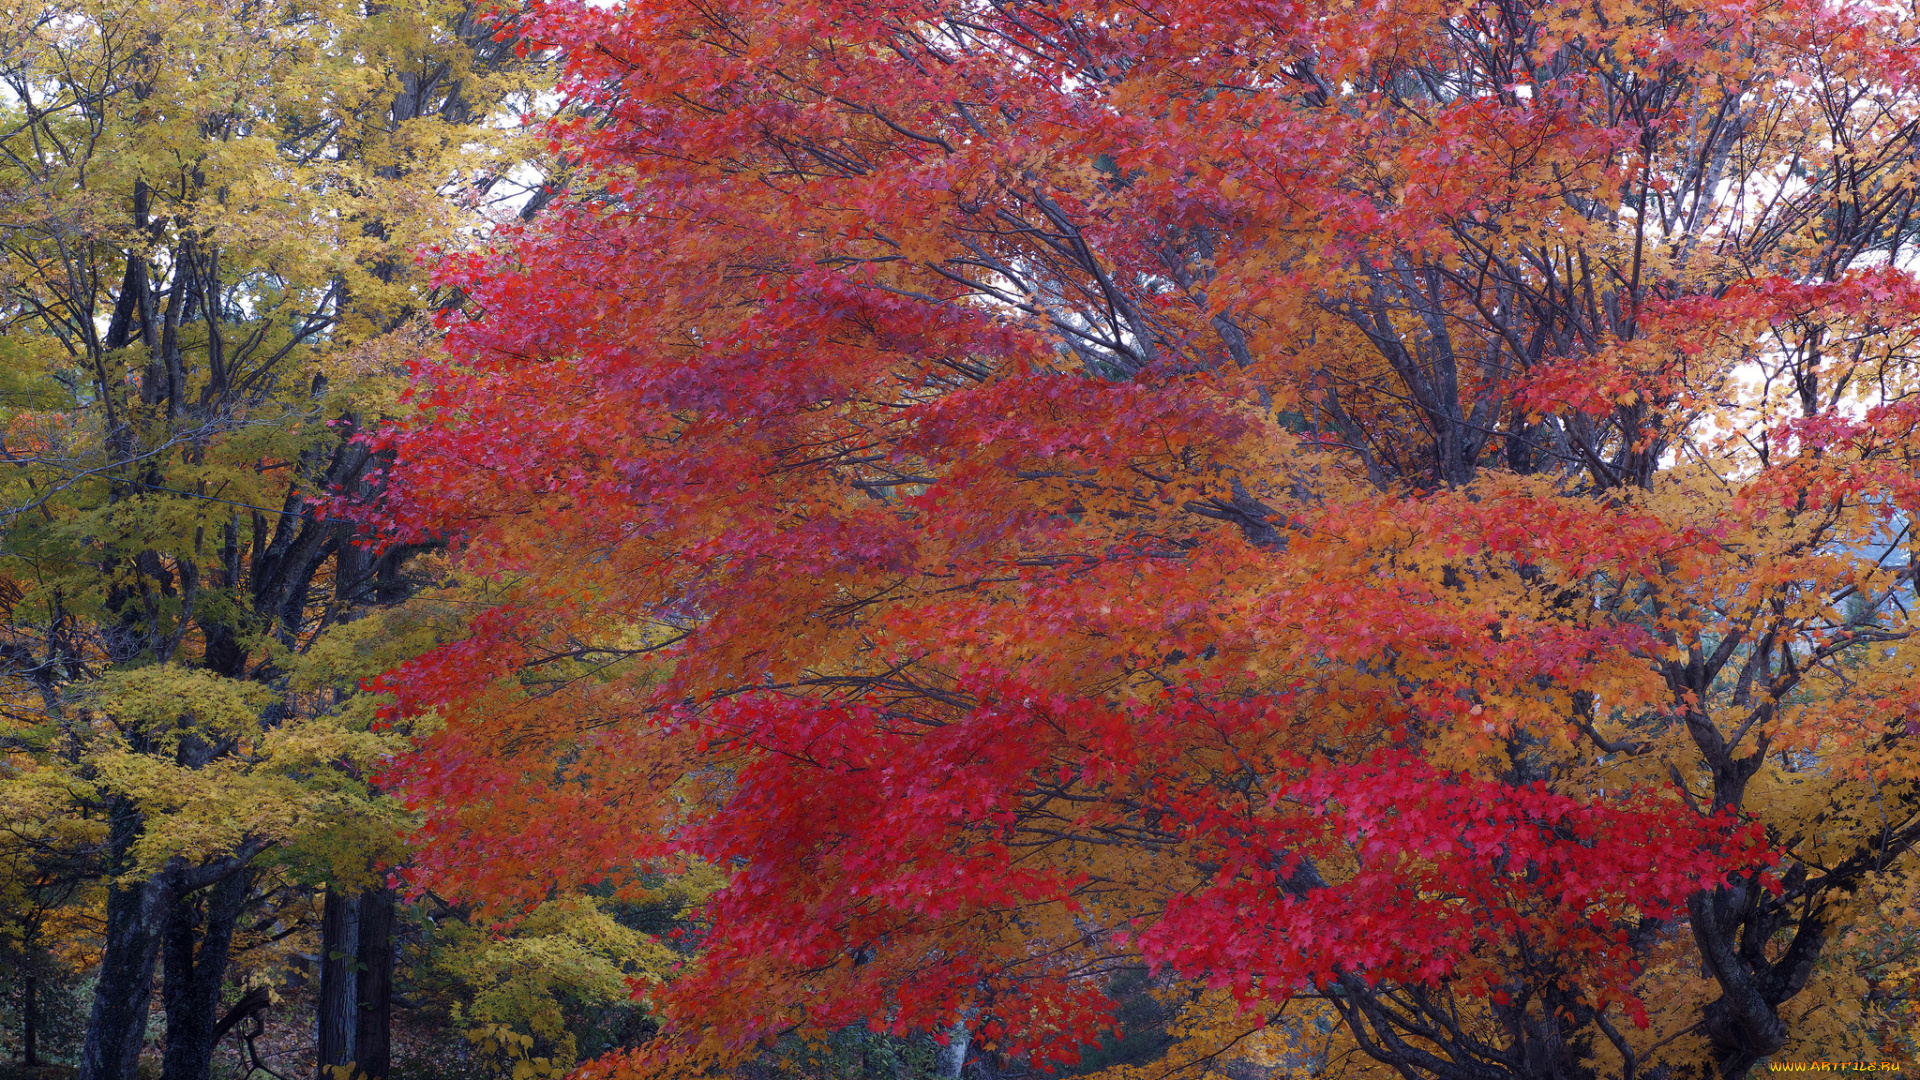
1398	506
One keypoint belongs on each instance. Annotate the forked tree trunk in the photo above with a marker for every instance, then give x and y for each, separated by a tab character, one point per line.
138	914
192	977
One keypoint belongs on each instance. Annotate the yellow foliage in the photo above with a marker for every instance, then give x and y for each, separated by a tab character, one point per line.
515	985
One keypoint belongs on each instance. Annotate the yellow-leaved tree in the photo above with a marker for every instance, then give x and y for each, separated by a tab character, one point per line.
207	217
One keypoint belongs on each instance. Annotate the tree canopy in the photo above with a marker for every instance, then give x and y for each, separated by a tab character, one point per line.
1396	511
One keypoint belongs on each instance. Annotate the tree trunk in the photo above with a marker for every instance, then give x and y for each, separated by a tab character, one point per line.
953	1056
29	1031
372	1051
339	931
192	977
117	1024
137	917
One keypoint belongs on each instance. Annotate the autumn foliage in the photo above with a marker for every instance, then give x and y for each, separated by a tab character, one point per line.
1396	509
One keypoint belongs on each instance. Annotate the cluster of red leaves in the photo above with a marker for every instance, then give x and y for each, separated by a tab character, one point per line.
860	839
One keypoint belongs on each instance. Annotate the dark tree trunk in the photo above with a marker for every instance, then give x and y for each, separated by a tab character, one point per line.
192	977
224	653
29	1029
339	984
137	919
372	1031
118	1023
